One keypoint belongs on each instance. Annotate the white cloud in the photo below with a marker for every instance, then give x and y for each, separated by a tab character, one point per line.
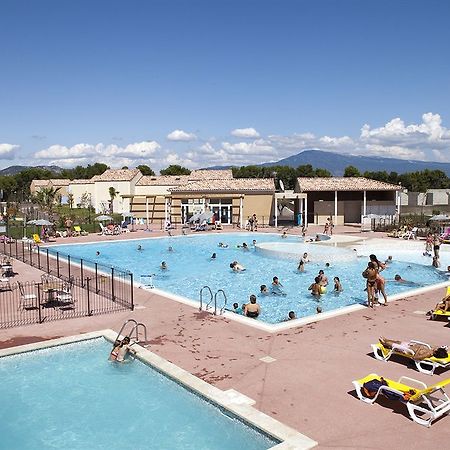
247	133
8	151
180	135
113	155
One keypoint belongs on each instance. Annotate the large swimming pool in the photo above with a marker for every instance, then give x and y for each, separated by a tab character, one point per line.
71	397
190	267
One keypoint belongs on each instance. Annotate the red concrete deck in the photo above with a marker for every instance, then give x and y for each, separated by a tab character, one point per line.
308	386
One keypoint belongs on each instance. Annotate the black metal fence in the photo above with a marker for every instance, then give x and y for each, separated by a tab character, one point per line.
111	283
51	299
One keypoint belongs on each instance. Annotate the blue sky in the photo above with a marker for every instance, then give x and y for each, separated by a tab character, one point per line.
222	82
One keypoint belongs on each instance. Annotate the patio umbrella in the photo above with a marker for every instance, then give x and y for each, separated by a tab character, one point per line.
31	222
440	218
103	218
195	217
42	222
205	216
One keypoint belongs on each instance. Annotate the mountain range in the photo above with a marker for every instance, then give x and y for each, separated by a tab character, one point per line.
336	163
13	170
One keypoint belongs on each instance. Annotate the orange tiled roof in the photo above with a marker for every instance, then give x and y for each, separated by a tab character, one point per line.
163	180
81	181
116	175
205	174
60	181
229	185
308	184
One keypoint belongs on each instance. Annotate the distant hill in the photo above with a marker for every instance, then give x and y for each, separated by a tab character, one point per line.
13	170
336	163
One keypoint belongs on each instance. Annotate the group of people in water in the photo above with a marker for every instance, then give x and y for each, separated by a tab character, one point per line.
433	244
375	282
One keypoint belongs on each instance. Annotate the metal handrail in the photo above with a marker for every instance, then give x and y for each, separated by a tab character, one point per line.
124	325
136	327
201	297
224	303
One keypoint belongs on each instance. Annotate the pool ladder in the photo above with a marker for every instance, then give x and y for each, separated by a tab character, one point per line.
134	329
213	298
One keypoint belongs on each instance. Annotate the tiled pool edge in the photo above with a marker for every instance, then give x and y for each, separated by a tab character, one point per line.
274	328
231	401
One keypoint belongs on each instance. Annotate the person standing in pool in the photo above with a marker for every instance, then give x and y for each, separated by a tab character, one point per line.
323	278
252	309
277	287
337	285
316	288
437	241
301	266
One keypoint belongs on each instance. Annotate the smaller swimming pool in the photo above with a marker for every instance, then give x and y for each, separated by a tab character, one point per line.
72	397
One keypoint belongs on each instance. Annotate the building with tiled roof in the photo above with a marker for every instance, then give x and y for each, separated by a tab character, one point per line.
311	184
346	199
36	185
228	185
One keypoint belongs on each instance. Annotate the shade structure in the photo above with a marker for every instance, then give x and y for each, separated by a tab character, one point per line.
103	218
31	222
205	216
441	218
43	222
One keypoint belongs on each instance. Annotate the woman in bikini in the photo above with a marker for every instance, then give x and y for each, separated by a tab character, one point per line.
371	274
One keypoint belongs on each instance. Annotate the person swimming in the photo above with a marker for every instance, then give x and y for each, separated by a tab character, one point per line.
163	266
170	249
139	247
337	285
237	267
213	256
263	290
97	253
277	287
222	245
291	315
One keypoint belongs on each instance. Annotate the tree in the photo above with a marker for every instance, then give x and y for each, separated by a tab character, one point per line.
146	170
351	171
305	171
125	168
46	198
112	194
322	173
70	199
175	169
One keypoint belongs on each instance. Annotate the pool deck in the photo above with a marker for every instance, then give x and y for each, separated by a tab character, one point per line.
301	376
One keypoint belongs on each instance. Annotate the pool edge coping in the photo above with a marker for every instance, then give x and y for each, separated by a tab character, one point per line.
230	400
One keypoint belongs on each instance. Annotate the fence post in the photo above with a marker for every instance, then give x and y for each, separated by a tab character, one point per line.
132	292
4	246
81	271
96	278
112	284
10	246
23	251
48	262
17	251
39	301
31	254
57	264
88	296
68	262
39	257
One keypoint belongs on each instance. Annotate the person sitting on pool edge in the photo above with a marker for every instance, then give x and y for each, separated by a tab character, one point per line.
252	309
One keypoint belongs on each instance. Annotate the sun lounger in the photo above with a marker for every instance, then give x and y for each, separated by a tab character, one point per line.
424	403
411	234
78	231
37	239
427	365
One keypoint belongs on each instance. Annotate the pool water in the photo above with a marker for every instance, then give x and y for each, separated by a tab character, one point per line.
72	397
190	267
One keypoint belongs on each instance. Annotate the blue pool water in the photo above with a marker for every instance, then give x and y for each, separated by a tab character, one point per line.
71	397
190	267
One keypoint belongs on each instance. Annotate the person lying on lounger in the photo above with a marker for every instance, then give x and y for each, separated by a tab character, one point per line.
420	351
444	304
